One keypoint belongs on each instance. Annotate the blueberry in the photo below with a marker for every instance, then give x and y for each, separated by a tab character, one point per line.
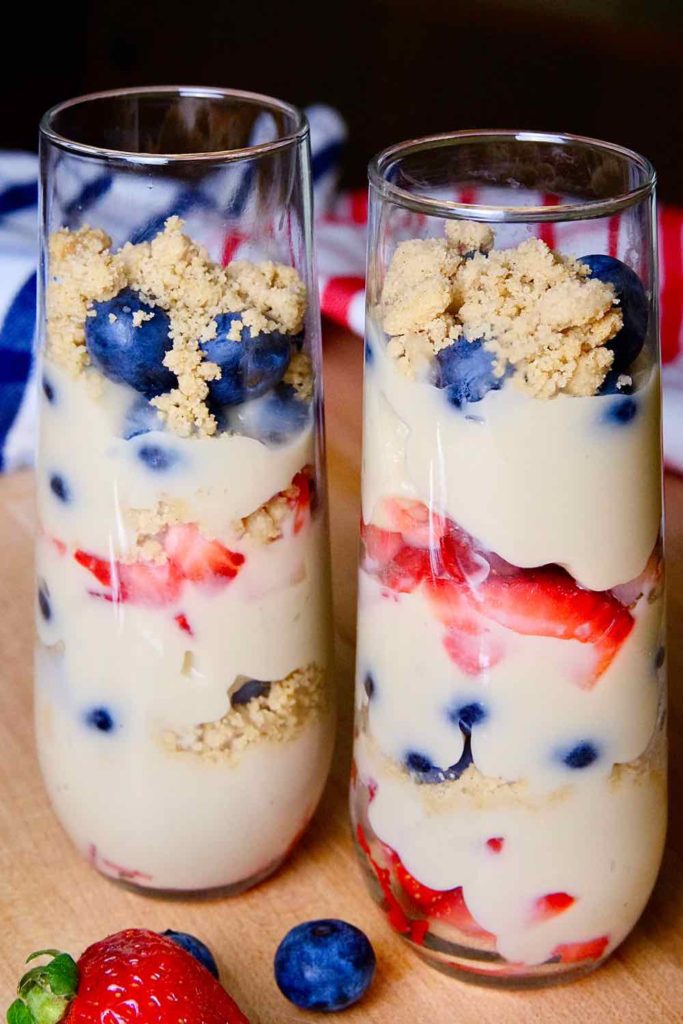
250	366
424	770
60	487
158	458
324	965
141	418
633	303
44	601
620	412
369	685
369	355
465	370
129	354
581	756
660	657
195	947
100	718
468	715
250	690
274	419
611	385
49	390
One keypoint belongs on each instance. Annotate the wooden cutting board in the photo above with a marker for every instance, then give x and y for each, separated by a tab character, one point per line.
50	897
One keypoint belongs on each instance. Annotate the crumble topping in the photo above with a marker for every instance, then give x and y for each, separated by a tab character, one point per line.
539	313
148	523
175	274
299	374
279	715
266	523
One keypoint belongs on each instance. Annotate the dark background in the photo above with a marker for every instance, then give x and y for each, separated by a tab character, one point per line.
394	68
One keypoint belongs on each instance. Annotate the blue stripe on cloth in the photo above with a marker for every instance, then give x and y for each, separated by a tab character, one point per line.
88	195
183	204
18	197
326	159
16	346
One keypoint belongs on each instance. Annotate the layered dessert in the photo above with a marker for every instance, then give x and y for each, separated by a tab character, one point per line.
509	775
182	702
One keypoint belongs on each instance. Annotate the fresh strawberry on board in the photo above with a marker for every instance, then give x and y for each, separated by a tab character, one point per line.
132	977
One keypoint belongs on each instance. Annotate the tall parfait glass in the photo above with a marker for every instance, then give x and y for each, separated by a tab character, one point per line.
508	794
183	706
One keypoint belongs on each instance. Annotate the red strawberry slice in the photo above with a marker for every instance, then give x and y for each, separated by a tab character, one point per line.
198	559
396	916
575	952
143	583
379	546
182	621
301	501
407	570
547	602
468	640
495	844
447	905
419	525
549	906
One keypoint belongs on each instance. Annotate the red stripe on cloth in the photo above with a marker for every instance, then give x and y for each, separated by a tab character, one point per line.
232	242
546	231
671	254
338	294
613	226
359	206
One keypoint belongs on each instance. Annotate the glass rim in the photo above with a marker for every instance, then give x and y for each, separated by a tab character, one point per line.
267	103
583	210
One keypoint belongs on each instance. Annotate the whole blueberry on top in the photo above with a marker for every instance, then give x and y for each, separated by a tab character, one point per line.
465	370
249	366
128	353
633	303
324	965
250	690
195	947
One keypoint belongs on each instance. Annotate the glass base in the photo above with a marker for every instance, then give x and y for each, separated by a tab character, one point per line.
477	965
217	892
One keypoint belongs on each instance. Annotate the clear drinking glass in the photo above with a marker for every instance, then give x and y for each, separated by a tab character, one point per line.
183	708
508	793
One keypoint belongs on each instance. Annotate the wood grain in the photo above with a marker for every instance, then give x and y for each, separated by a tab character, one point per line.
49	896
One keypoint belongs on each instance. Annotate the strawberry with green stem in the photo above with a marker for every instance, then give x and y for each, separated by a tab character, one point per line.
132	977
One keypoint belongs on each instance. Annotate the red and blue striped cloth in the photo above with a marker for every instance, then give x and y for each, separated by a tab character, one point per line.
341	235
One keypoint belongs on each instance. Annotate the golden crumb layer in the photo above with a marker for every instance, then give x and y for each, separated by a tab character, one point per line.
172	272
538	313
278	716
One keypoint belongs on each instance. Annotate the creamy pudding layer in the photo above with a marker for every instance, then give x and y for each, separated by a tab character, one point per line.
183	616
510	690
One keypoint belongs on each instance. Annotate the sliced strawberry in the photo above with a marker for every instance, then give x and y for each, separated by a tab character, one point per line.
407	570
144	583
419	525
575	952
198	559
547	602
301	502
379	546
182	621
554	903
396	916
447	905
468	640
495	844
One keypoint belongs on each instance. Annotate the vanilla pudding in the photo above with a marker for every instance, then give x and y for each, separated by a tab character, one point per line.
183	591
509	795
